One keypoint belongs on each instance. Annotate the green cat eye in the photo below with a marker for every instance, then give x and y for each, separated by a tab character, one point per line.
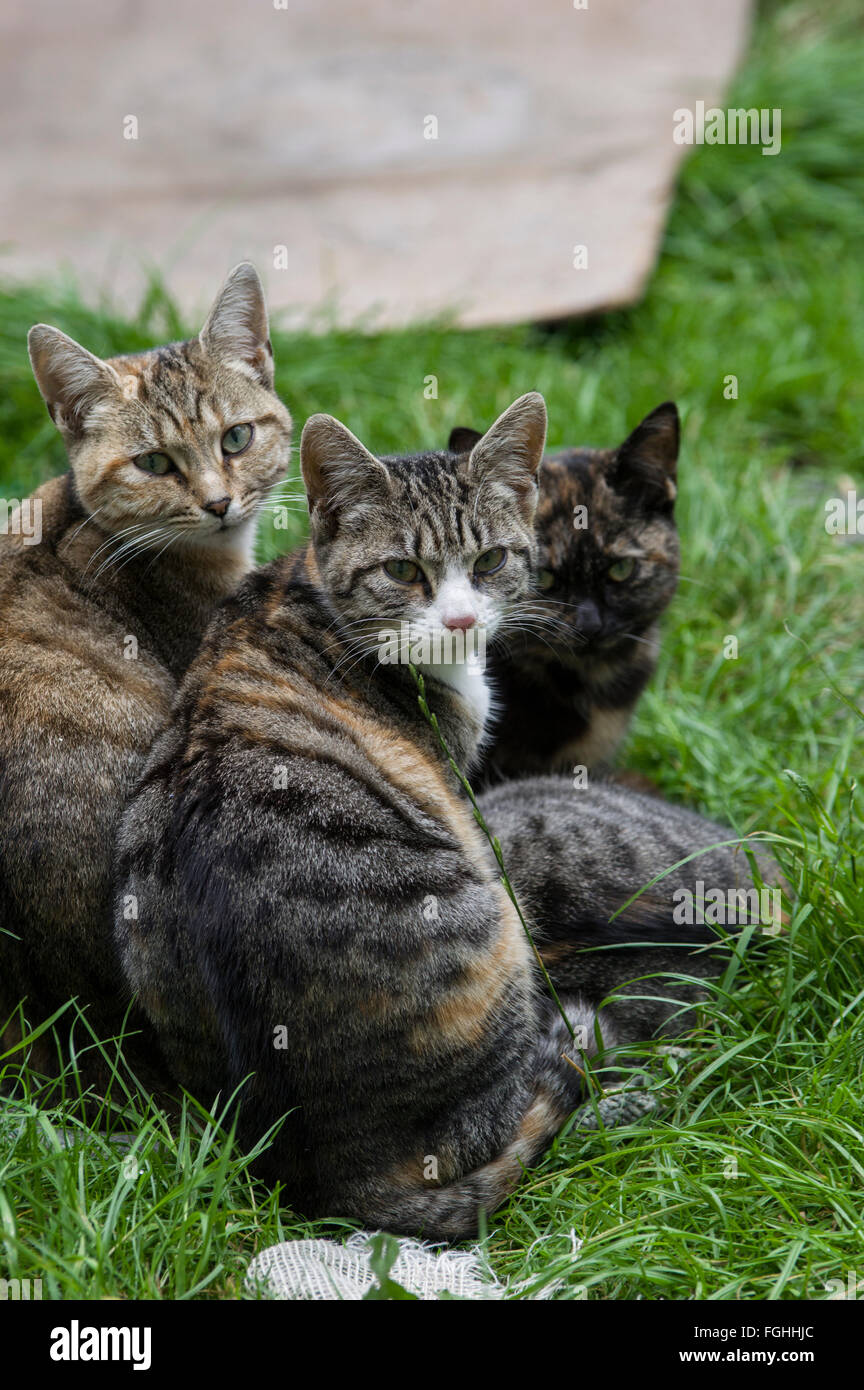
238	438
154	463
545	580
490	561
621	569
403	571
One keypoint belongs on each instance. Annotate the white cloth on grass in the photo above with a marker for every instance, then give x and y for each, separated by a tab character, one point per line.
323	1269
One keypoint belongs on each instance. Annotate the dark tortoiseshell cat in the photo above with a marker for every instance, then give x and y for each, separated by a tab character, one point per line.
582	652
306	905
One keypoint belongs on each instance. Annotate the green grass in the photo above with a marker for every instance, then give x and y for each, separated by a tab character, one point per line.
760	277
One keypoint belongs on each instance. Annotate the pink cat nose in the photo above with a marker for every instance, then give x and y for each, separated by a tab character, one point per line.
460	623
219	507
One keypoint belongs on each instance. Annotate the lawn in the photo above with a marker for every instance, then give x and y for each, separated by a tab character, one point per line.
748	1181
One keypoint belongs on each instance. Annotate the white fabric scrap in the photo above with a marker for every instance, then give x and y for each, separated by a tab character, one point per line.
323	1269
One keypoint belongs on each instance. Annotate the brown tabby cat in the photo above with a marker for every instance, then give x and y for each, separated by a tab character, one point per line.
171	455
306	905
581	652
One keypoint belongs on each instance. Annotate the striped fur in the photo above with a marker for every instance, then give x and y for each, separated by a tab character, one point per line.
576	856
575	658
99	621
300	855
305	904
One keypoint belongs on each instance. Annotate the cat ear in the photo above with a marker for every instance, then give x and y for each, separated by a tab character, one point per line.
462	440
237	329
73	382
645	466
510	452
339	473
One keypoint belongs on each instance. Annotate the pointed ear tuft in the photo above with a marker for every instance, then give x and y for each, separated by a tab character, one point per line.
237	330
645	466
340	474
510	452
462	440
73	382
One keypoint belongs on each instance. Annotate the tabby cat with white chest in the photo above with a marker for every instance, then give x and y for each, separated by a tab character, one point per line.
172	453
318	918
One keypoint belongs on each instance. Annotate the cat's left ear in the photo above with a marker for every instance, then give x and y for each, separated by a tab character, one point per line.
646	465
510	452
237	330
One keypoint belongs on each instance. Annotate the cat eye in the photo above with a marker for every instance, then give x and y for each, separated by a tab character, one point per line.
545	580
403	571
159	464
238	438
621	569
490	561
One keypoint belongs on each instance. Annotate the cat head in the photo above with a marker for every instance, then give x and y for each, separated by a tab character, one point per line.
439	542
607	544
181	441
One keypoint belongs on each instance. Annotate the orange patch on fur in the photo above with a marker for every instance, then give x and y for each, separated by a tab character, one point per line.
462	1016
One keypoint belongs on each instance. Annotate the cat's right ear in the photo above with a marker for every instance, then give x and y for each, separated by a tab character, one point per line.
509	453
73	381
237	328
462	440
339	473
645	466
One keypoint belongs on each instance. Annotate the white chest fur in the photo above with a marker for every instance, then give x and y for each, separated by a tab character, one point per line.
468	679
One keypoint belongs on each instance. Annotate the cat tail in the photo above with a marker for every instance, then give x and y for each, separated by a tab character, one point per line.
452	1212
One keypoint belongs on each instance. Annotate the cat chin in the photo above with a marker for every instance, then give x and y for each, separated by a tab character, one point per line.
237	541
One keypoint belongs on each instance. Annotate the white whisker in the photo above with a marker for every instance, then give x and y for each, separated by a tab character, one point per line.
136	545
87	520
115	536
